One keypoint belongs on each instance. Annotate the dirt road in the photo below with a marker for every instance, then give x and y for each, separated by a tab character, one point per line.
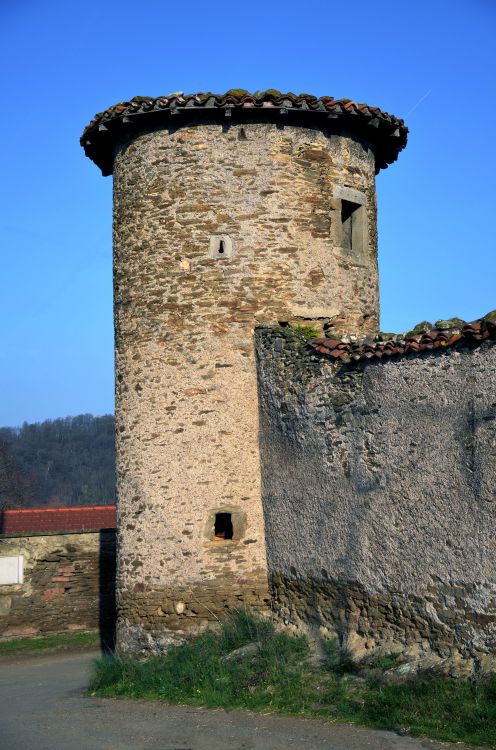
43	707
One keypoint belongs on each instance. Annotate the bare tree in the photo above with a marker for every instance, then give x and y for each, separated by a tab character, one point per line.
15	487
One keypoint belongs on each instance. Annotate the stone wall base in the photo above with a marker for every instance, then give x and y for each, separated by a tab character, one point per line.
449	627
149	621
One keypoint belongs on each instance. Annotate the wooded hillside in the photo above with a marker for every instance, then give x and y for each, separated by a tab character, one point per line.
69	461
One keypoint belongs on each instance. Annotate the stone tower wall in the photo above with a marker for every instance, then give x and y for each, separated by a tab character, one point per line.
186	390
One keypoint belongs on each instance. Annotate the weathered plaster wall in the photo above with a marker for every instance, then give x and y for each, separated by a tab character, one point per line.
379	492
69	582
186	392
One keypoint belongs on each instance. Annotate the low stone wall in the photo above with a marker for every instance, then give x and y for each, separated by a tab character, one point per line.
379	491
69	582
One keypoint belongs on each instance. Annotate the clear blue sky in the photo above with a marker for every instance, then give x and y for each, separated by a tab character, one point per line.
429	62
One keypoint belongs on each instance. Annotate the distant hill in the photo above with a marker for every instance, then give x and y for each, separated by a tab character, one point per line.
68	461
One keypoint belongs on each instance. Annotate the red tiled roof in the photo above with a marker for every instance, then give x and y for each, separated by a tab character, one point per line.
386	133
84	518
437	338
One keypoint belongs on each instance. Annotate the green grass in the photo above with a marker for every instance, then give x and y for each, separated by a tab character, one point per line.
280	679
61	642
307	331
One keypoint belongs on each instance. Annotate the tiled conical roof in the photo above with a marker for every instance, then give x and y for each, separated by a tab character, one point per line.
385	133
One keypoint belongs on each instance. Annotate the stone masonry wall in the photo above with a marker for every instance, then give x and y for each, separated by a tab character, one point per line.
69	585
379	491
186	390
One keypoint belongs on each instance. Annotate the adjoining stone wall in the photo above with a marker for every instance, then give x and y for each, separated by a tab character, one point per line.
69	585
186	389
379	493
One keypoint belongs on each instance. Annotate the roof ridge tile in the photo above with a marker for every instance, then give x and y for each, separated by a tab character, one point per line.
479	330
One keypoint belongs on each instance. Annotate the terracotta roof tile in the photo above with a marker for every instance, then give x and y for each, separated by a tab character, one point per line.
483	329
386	133
50	520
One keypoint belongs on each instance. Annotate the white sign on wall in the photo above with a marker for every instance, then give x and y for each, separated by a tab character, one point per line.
11	570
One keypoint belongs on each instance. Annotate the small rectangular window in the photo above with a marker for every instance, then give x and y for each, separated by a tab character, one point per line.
353	219
223	526
348	210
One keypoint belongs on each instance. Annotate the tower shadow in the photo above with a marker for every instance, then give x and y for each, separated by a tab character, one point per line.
107	608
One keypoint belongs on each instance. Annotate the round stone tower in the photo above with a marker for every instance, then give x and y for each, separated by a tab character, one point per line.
229	211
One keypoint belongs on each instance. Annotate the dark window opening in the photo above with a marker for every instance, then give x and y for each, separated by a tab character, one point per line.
221	246
348	219
223	526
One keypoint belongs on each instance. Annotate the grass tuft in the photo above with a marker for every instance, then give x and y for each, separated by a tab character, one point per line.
279	678
307	331
195	672
63	641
